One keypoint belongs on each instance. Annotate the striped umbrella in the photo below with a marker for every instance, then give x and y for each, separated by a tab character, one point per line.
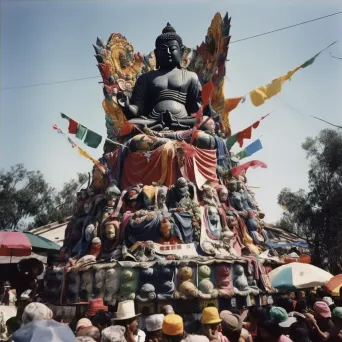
334	284
298	276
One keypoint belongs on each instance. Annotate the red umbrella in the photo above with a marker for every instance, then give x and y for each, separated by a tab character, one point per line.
14	244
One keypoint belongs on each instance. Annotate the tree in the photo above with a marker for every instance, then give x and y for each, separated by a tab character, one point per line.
60	205
317	214
27	200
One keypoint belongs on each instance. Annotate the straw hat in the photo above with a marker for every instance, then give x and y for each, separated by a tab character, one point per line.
210	315
125	311
173	325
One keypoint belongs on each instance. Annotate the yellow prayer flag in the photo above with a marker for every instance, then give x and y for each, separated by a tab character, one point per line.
260	95
85	154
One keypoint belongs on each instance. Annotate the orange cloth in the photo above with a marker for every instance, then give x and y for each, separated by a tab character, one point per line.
207	90
229	105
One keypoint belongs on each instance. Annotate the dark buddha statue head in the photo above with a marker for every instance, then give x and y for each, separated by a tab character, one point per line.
169	49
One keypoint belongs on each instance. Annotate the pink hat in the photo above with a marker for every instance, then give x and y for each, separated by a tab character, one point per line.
322	309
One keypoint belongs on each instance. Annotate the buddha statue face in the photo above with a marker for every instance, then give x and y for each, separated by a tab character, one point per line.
169	49
239	271
223	195
213	215
161	197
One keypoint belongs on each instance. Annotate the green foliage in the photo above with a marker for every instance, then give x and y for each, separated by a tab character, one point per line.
28	201
317	214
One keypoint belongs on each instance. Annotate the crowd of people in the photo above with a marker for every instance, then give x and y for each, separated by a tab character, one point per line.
297	317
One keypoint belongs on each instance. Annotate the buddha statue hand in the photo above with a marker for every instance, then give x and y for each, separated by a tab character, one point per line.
129	110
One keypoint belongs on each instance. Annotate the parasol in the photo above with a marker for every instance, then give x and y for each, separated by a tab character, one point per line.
334	284
14	244
42	243
298	276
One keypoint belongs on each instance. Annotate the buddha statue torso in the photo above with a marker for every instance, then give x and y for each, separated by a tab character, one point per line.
165	97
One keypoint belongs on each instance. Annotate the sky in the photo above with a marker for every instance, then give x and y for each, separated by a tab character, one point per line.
51	41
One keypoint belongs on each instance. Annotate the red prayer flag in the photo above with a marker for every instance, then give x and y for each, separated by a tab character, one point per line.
245	134
237	170
72	129
207	90
231	104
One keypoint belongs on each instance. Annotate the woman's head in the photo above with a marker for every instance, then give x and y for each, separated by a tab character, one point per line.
301	306
269	330
36	312
299	332
257	314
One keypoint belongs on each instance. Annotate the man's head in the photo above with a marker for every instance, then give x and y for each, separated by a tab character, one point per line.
173	328
92	332
101	320
131	324
169	49
211	321
13	324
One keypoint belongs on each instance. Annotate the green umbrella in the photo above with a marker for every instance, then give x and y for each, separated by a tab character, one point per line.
41	242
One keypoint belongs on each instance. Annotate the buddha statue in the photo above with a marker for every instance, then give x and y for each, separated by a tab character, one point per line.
167	96
167	238
205	285
112	285
223	279
240	282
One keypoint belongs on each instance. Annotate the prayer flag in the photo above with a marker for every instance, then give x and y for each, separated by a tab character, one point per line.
81	131
72	129
237	170
92	139
252	148
260	95
230	141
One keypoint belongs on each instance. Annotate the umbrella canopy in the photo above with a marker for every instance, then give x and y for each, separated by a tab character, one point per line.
298	276
14	244
40	242
334	284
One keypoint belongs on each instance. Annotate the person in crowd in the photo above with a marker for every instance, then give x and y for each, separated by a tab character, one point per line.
85	339
292	296
12	324
270	332
300	332
211	324
168	309
83	323
114	334
255	315
91	331
301	306
173	328
154	325
281	317
101	320
36	312
232	328
127	318
195	338
6	293
329	301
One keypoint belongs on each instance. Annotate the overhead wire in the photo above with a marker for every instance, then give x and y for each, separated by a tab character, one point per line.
232	42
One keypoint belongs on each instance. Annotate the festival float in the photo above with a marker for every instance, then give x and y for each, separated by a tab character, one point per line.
168	217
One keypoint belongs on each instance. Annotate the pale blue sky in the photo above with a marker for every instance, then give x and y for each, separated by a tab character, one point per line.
46	41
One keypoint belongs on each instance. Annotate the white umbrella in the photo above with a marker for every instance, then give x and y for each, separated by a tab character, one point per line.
297	275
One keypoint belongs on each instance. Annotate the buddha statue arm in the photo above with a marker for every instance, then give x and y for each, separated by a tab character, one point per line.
134	107
193	98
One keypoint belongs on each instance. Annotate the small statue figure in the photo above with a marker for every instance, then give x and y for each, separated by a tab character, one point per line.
166	237
186	288
210	196
240	281
251	280
214	226
99	286
160	200
109	234
174	93
166	288
86	286
205	285
132	199
112	285
224	281
147	290
73	281
128	284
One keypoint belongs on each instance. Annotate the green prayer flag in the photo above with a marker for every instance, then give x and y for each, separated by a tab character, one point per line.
230	141
81	131
64	116
242	154
310	61
92	139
